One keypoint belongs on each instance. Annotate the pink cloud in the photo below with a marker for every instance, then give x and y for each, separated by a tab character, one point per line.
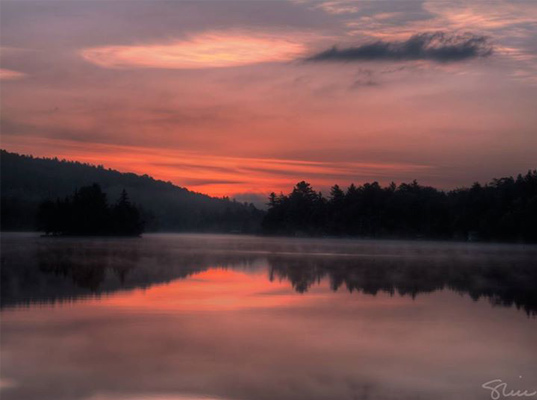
207	50
10	75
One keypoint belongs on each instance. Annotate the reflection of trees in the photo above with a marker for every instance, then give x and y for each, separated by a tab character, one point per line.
65	270
57	270
503	281
87	268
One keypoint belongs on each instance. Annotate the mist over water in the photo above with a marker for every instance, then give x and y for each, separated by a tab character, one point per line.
240	317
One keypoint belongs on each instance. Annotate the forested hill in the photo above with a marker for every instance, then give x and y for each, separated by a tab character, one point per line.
27	181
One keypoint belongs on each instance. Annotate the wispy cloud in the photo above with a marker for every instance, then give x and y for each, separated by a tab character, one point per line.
208	50
339	7
434	46
10	75
481	16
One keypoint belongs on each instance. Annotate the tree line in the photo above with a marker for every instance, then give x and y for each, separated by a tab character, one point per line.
87	212
26	181
502	210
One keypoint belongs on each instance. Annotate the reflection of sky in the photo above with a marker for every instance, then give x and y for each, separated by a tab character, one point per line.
229	334
216	95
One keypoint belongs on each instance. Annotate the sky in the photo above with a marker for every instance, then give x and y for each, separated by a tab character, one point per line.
241	98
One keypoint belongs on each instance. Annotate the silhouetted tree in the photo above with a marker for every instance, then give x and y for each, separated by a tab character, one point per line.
87	213
505	209
126	217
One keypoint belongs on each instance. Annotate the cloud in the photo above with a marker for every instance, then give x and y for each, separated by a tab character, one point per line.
339	7
10	75
208	50
434	46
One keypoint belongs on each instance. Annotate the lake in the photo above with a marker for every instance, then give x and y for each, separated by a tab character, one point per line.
192	317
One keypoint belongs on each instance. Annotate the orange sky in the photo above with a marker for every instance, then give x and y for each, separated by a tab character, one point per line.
219	96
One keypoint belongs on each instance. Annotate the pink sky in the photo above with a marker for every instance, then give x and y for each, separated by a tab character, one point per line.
219	96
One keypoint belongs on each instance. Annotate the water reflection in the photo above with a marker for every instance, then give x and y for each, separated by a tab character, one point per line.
238	318
504	281
36	270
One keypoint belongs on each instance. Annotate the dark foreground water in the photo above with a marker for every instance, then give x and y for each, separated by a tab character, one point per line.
191	317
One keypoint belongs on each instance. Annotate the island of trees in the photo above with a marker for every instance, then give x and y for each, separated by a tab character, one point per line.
87	213
503	210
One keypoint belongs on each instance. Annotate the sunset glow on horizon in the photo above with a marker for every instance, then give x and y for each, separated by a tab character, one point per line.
218	176
244	98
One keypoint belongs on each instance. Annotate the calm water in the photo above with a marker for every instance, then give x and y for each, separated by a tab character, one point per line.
177	317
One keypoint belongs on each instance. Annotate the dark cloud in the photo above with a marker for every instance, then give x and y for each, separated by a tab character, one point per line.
360	83
434	46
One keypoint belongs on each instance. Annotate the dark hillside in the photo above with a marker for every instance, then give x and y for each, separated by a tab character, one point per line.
27	181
